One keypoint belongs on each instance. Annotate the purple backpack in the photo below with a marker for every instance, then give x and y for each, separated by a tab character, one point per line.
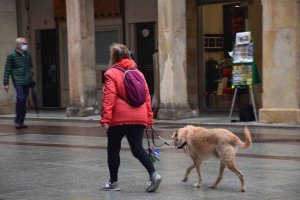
134	87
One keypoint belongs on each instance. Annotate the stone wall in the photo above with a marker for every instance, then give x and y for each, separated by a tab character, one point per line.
281	61
8	35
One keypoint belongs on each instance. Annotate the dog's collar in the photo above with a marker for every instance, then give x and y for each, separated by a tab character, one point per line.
181	146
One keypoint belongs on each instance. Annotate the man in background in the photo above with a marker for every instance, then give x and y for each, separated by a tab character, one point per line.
19	67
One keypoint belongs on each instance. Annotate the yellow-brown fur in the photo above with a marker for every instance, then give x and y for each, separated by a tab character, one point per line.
202	143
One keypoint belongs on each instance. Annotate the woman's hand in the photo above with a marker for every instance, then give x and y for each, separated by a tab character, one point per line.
106	126
150	126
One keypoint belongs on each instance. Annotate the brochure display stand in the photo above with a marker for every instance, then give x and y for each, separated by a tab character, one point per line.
244	71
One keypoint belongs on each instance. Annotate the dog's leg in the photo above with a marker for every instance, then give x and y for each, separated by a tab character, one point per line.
188	171
197	165
231	166
220	176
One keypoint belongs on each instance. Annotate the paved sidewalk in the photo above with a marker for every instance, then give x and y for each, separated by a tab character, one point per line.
205	118
64	158
67	160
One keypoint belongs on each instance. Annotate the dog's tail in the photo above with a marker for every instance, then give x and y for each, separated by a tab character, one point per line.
248	138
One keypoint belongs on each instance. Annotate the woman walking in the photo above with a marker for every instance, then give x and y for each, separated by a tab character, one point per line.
121	119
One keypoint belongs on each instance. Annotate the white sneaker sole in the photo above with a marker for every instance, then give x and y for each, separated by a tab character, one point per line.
108	189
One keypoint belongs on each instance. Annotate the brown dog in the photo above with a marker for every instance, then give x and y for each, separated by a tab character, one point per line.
201	144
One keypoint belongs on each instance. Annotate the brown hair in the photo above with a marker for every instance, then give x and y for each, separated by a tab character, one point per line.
117	52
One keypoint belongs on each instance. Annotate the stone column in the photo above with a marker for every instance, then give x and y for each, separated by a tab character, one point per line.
192	55
8	36
82	64
172	60
281	62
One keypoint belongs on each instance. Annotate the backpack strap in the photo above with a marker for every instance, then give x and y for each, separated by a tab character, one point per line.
120	68
123	70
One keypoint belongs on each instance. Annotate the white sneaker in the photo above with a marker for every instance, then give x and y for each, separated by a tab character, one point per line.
111	186
154	183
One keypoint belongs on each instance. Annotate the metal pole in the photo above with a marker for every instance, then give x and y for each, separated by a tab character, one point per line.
252	99
232	104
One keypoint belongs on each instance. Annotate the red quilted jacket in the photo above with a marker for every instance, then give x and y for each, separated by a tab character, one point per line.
116	111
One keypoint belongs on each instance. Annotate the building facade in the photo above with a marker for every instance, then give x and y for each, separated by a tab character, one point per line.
180	45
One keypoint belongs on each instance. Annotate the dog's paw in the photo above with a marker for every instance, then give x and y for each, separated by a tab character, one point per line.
196	185
242	190
212	187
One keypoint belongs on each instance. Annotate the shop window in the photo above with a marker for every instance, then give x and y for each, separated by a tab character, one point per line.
233	22
103	39
221	22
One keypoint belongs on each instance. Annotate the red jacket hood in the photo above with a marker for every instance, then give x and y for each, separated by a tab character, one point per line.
126	63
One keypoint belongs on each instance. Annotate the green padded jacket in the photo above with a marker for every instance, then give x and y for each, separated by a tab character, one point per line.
19	67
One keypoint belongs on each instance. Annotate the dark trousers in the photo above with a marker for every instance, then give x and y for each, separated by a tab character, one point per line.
22	95
134	135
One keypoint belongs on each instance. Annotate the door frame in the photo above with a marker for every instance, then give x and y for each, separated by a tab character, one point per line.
55	57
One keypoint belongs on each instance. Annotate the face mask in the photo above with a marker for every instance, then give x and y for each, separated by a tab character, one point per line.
24	47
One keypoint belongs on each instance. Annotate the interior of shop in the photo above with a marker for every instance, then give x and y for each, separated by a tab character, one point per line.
221	22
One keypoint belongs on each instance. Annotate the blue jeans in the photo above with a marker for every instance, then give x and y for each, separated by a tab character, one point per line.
22	95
